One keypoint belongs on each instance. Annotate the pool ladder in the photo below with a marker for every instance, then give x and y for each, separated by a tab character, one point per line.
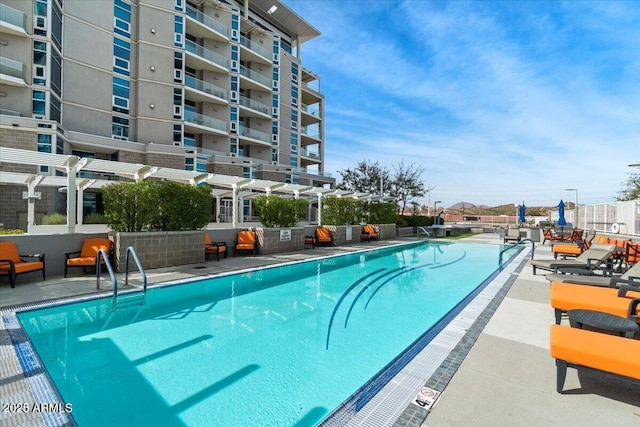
424	230
533	249
128	299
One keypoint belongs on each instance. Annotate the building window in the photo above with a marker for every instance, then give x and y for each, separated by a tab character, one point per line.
122	18
121	56
178	27
120	128
39	99
294	96
44	146
55	108
294	120
120	95
56	72
294	73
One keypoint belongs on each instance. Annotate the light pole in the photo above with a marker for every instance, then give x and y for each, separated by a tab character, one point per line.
435	211
576	207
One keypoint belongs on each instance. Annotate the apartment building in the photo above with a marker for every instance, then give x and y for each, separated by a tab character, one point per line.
205	85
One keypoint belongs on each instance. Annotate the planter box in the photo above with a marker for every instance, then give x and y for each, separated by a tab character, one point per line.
157	249
277	240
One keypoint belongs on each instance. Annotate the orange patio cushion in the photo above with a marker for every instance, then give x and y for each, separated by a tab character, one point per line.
8	250
601	239
90	248
608	353
324	235
567	249
568	296
23	267
246	240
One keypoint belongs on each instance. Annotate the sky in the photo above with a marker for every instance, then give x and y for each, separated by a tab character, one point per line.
498	101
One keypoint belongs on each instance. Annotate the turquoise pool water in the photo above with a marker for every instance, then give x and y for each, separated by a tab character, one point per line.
275	347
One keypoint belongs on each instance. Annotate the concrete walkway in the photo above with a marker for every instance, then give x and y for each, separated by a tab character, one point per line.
507	378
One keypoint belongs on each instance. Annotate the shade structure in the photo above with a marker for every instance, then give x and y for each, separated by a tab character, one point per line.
521	211
561	221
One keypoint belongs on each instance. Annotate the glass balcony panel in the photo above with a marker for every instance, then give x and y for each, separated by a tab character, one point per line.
207	21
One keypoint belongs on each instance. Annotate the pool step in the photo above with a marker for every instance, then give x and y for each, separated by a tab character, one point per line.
129	300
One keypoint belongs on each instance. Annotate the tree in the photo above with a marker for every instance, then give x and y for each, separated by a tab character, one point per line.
406	184
365	178
632	188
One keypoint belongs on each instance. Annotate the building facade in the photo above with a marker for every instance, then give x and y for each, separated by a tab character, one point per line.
206	85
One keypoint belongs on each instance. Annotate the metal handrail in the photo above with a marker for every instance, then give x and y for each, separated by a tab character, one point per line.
424	230
131	251
533	249
102	253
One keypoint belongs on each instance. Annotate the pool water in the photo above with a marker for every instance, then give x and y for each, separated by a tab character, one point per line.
275	347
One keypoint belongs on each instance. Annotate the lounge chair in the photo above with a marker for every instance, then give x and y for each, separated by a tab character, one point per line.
594	351
245	241
632	274
565	249
576	235
12	262
513	234
324	236
369	232
86	256
623	302
590	259
216	248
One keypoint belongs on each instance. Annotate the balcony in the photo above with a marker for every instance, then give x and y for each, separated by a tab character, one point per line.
310	114
201	58
201	91
199	123
12	72
12	21
254	79
262	138
255	107
205	26
309	154
253	52
310	133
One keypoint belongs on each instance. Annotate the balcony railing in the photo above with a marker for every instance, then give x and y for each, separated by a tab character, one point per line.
314	110
205	87
13	17
202	120
255	134
309	154
313	133
264	80
254	47
207	54
254	105
12	68
207	21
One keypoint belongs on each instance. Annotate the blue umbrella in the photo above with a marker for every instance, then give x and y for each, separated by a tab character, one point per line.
561	221
521	210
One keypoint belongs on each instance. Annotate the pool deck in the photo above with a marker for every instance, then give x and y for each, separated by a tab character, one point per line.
505	377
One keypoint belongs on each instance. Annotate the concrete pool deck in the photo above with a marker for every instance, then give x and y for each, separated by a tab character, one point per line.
507	376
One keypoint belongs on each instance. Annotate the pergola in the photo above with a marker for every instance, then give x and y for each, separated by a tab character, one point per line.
223	186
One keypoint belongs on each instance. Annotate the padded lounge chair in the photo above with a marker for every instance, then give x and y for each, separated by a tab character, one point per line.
594	351
216	248
324	236
565	249
513	235
590	259
245	241
369	232
12	263
86	257
632	274
623	302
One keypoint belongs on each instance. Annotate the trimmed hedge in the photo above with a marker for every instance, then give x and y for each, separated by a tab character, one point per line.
342	211
156	206
276	211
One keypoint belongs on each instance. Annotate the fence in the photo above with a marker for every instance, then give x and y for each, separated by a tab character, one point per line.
618	217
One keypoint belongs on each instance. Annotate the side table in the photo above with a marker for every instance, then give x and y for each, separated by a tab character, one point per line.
597	319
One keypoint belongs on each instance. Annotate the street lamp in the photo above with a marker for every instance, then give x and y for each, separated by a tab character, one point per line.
576	207
435	211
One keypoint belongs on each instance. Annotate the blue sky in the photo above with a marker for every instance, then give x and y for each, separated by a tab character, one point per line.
499	101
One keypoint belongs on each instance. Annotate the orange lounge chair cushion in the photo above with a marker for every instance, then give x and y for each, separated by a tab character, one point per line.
608	353
566	249
568	296
9	251
601	239
246	240
90	248
323	235
210	247
370	231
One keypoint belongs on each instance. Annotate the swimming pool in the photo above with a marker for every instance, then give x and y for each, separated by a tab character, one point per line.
277	346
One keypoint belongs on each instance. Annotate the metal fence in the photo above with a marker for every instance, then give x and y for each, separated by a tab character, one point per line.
613	218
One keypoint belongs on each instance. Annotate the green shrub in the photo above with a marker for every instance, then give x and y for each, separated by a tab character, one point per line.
95	218
342	211
383	213
54	219
276	211
12	231
156	206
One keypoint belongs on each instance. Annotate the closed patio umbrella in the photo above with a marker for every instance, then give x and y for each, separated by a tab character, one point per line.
521	211
561	221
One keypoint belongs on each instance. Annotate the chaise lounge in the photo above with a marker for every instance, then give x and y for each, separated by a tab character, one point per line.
12	262
593	351
632	274
590	259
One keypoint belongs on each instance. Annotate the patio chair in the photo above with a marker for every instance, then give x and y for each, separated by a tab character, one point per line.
324	236
593	351
591	259
513	235
245	241
550	235
12	262
632	274
369	232
216	248
576	235
87	255
623	302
